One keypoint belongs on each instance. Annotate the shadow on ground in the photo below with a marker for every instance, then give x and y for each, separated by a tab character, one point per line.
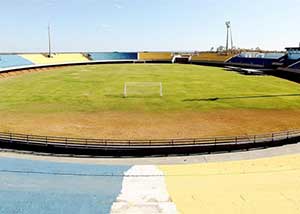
240	97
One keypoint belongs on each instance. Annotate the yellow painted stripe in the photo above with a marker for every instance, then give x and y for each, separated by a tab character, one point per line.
270	185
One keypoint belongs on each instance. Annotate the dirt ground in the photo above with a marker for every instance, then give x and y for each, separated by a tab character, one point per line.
10	74
128	125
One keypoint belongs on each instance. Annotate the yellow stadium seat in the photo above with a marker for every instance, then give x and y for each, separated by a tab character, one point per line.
155	56
214	57
56	58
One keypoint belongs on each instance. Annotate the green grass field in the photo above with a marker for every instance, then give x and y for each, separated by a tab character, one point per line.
97	88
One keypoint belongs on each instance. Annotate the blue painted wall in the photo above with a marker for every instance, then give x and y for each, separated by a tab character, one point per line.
113	56
7	61
40	187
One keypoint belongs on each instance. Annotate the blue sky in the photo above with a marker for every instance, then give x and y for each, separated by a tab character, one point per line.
136	25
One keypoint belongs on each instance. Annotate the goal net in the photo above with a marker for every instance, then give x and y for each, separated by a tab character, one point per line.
143	89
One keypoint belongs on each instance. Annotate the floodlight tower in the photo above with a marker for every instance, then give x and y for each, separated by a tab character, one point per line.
229	31
231	37
49	41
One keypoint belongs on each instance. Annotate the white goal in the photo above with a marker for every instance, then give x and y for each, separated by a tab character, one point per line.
143	89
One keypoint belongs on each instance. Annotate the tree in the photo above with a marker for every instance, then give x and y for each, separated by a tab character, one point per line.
257	49
220	48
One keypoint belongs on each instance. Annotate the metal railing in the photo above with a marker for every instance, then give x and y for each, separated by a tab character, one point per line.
65	141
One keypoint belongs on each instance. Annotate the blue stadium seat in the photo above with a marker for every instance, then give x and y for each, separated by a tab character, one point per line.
113	56
273	55
10	60
294	56
270	55
266	62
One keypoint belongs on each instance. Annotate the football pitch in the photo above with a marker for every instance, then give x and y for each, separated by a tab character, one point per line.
88	101
185	88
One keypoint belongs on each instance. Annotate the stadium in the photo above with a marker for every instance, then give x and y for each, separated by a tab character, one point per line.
121	104
148	98
146	131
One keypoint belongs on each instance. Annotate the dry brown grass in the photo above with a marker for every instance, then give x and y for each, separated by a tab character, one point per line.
143	125
26	71
126	125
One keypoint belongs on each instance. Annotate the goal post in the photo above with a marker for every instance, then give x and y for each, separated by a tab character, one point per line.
143	89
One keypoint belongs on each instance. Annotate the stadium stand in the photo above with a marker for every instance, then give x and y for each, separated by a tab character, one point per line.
292	59
273	55
252	61
295	65
285	61
155	56
88	189
249	186
270	55
214	57
293	53
112	56
55	58
10	60
257	58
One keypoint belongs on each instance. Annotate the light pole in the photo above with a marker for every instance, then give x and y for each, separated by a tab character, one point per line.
49	40
227	37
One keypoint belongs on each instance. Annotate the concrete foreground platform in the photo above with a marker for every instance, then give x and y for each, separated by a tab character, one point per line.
257	181
191	159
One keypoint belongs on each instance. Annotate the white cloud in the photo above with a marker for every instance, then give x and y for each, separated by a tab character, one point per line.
118	4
